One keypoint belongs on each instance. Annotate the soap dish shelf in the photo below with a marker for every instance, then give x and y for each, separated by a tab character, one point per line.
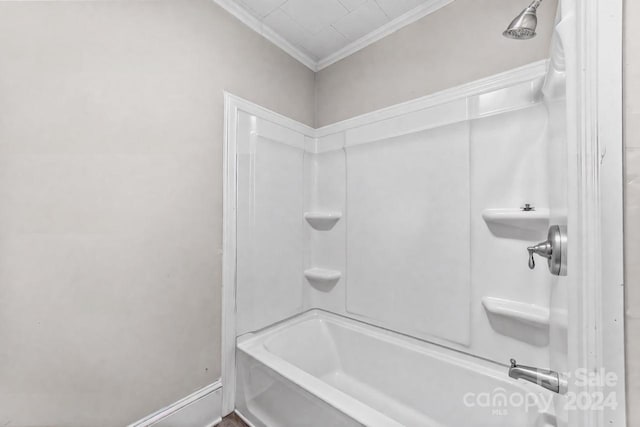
534	220
530	314
322	276
322	221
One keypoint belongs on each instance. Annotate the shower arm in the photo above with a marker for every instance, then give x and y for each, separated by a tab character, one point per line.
534	5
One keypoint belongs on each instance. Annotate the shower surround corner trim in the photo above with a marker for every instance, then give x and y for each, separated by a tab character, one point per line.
233	105
256	25
317	64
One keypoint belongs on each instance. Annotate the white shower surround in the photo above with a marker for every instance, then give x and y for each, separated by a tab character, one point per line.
270	284
611	240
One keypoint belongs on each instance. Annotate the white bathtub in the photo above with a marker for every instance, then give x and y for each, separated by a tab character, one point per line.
319	369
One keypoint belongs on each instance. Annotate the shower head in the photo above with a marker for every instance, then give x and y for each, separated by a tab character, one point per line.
523	27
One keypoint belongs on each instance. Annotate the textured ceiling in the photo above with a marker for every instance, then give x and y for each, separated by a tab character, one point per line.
321	28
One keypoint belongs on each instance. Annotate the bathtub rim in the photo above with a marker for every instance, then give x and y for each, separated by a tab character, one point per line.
254	345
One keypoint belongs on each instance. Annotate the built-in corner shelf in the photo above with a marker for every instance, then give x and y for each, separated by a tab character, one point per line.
322	221
516	219
322	276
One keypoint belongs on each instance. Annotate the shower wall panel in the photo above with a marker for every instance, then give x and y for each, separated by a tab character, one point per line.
420	259
270	229
408	246
408	234
508	170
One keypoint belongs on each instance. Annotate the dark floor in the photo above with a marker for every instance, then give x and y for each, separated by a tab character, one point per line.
232	421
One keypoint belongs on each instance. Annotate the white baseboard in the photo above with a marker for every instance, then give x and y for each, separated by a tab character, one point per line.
199	409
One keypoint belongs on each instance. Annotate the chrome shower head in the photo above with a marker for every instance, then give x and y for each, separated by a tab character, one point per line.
523	27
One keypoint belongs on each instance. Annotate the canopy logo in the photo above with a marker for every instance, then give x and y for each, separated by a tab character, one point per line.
598	397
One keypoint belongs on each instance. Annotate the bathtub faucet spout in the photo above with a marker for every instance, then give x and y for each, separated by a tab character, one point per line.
544	378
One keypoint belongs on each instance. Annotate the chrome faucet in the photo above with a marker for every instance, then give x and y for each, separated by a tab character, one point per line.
544	378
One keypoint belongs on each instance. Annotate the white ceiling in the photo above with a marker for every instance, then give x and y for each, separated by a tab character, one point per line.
321	32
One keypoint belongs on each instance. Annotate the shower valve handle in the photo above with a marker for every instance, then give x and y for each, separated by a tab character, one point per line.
553	249
543	249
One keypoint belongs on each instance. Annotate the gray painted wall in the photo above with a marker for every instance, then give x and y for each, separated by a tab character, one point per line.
111	119
459	43
111	123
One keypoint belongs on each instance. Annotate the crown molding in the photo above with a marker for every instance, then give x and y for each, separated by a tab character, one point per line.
389	28
256	25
